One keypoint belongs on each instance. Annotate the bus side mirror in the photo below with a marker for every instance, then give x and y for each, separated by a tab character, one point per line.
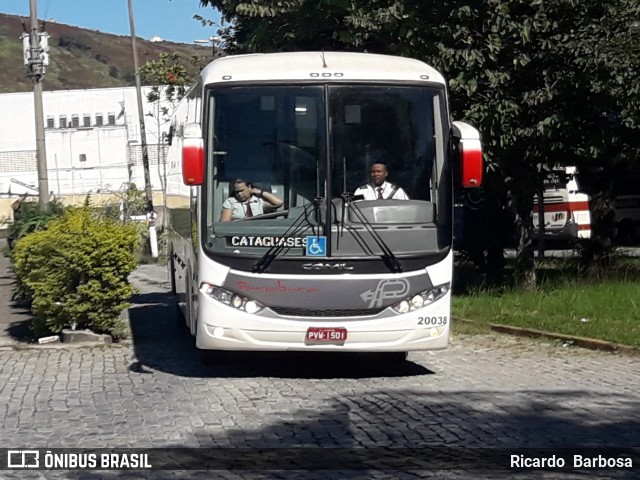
192	155
470	154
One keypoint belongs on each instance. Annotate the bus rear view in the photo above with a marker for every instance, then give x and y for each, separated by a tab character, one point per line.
310	203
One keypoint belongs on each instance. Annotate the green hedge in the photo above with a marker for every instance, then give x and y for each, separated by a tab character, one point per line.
76	272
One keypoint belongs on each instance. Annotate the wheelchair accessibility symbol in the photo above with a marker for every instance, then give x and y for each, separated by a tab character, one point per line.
316	246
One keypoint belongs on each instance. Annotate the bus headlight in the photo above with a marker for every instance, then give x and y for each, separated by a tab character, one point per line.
252	307
237	301
403	306
417	301
421	299
231	299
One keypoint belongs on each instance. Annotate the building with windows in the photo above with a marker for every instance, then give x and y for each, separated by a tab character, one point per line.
93	144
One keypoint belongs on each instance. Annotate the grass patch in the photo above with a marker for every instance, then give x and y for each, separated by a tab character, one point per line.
607	310
608	300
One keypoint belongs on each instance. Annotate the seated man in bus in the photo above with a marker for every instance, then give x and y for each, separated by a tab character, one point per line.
378	188
246	201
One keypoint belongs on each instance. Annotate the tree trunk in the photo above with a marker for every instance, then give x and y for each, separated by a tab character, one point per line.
598	252
525	267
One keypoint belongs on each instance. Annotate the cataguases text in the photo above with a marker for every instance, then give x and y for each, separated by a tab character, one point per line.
292	242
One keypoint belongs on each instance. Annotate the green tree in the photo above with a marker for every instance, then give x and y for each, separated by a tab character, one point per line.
546	85
546	81
170	76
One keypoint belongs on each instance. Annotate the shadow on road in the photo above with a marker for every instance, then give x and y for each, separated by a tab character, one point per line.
161	342
15	320
20	331
406	434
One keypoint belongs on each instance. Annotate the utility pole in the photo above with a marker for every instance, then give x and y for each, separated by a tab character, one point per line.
214	41
36	58
151	214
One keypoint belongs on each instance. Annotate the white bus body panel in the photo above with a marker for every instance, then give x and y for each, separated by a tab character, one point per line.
224	328
308	66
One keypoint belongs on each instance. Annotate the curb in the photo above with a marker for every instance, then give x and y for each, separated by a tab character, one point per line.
583	342
84	336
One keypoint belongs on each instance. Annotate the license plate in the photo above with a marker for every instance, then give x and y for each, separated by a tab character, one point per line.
326	335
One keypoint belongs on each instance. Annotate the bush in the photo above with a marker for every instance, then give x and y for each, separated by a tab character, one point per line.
76	272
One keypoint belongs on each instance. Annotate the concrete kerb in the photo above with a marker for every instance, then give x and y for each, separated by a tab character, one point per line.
84	336
583	342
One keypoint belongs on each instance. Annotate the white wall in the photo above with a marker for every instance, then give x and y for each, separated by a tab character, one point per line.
84	158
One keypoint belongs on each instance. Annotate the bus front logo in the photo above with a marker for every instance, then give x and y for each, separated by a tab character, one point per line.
327	266
386	289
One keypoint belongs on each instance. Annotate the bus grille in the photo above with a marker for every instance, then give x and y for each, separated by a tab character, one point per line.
300	312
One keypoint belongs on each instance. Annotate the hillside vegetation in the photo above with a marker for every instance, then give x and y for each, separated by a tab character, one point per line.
80	58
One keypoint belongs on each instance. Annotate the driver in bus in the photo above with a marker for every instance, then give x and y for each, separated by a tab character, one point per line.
378	188
247	201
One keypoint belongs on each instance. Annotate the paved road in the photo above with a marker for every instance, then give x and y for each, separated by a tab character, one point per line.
485	391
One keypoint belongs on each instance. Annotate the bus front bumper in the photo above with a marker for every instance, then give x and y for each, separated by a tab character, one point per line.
223	328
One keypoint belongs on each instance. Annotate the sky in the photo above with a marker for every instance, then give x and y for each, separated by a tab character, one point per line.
171	20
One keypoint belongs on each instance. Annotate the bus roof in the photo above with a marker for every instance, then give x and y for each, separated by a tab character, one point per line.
325	66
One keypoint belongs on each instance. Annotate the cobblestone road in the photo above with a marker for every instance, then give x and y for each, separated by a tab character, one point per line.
484	391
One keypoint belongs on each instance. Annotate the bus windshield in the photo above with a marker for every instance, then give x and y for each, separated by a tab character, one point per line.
280	156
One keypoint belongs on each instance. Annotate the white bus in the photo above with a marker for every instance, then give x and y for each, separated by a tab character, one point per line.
328	269
566	207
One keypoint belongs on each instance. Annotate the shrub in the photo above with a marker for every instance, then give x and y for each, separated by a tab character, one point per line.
76	272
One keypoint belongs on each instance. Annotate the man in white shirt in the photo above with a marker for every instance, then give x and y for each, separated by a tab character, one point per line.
379	188
246	201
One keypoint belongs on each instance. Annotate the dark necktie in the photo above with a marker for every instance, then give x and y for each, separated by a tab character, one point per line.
249	211
380	193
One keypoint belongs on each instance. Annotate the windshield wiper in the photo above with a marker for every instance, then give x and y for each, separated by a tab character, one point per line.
388	257
300	224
